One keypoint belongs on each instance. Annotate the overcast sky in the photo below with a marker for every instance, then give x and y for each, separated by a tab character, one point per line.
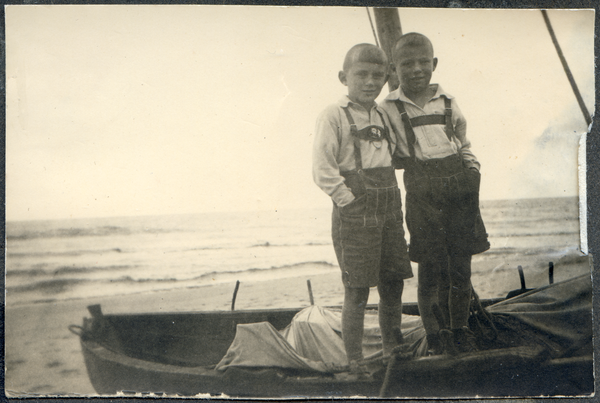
130	110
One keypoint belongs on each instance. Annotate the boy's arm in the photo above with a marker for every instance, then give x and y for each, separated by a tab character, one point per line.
326	147
460	131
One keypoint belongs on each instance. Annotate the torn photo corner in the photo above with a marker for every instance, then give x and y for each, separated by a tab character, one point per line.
165	236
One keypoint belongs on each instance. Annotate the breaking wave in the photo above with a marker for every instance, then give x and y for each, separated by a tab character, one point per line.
36	272
64	253
56	286
75	232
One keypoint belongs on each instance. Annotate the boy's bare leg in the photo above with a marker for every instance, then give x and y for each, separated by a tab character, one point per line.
390	313
460	293
444	296
460	300
433	304
427	294
353	321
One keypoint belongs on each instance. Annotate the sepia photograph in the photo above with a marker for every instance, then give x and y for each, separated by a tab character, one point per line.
219	201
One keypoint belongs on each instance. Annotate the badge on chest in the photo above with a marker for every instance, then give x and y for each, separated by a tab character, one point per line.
375	134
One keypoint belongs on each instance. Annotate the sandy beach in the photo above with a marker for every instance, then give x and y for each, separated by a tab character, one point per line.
44	358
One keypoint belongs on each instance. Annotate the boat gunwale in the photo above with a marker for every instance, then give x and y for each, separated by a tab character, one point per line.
410	307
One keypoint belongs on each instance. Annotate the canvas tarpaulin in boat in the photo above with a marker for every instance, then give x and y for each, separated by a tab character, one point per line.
556	316
311	342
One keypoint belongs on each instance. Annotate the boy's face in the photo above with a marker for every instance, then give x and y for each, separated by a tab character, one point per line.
364	81
414	66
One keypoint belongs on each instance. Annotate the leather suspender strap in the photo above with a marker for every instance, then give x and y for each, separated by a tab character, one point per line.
356	139
428	120
386	133
350	120
353	132
449	125
410	134
423	120
448	115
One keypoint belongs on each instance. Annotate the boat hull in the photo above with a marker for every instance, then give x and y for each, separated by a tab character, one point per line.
175	354
507	373
111	373
513	372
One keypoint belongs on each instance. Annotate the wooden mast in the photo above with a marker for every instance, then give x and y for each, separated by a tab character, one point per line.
389	31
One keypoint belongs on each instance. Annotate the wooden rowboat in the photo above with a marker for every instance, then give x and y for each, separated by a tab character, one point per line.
176	354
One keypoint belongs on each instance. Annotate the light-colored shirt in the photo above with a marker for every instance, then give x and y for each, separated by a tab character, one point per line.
333	147
431	140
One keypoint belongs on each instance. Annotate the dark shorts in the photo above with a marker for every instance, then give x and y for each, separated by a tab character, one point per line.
442	210
368	238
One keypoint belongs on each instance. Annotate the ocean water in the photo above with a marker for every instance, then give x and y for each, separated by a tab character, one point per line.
80	258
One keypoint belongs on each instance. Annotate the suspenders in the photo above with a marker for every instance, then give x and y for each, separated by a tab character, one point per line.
409	123
354	133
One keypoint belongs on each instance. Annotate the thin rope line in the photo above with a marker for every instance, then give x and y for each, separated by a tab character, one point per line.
372	27
584	110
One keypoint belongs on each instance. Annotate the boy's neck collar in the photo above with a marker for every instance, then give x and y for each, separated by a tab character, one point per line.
399	94
424	96
347	101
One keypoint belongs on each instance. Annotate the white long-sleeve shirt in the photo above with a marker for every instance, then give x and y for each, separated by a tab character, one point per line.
333	147
431	140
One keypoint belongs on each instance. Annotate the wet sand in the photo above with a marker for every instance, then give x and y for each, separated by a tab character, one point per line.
44	358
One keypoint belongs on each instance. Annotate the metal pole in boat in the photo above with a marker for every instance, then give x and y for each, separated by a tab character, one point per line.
521	277
523	288
551	272
586	114
310	294
389	31
237	286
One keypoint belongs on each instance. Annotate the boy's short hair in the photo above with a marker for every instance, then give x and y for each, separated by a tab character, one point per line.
365	52
411	39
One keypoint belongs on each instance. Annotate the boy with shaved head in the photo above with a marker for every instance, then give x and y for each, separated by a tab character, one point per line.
352	163
441	177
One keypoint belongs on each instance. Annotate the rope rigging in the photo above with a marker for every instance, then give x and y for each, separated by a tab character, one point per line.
372	27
